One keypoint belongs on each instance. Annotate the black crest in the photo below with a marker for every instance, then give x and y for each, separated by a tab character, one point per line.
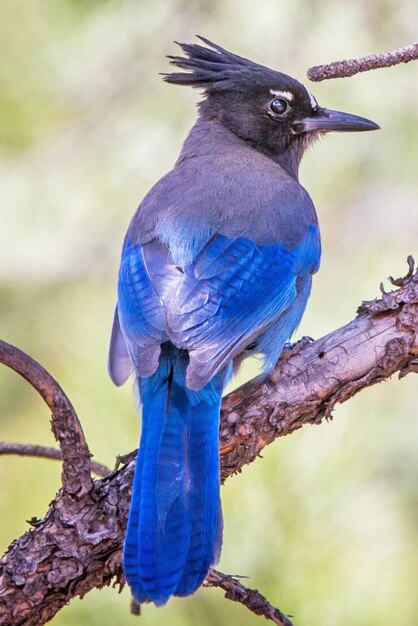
213	68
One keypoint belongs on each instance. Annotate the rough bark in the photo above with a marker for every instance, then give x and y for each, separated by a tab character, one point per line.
77	546
350	67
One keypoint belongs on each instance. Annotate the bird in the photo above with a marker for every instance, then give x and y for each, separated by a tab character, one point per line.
216	266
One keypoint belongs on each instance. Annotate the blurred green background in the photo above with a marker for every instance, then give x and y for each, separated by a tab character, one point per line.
326	524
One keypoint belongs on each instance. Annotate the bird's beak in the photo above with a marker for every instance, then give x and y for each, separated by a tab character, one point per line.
325	120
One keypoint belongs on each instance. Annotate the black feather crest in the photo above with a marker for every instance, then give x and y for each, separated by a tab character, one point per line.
209	67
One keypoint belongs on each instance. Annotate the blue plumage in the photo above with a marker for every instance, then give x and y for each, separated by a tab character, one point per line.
217	265
175	521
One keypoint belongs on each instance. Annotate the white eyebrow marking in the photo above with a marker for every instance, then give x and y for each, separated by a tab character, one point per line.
282	94
312	100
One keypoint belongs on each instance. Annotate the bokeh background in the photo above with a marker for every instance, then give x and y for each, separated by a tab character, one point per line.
326	523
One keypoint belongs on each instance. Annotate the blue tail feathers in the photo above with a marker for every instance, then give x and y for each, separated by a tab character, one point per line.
174	531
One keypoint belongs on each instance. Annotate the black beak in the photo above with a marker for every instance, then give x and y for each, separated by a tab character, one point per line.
325	120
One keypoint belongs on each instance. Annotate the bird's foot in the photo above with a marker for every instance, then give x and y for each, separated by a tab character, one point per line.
299	344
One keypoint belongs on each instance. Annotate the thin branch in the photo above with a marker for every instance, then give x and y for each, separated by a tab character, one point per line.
23	449
77	546
346	68
251	598
66	427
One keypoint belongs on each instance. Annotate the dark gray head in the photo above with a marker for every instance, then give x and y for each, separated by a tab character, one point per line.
274	112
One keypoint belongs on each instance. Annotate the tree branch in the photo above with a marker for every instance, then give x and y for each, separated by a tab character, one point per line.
251	598
77	546
66	427
45	452
350	67
311	378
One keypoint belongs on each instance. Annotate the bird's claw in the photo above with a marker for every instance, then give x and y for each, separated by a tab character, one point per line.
300	343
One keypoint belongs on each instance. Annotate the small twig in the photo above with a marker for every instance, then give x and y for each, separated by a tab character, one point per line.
66	427
124	459
398	282
45	452
251	598
349	67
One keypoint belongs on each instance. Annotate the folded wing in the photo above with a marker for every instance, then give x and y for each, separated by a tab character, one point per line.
216	306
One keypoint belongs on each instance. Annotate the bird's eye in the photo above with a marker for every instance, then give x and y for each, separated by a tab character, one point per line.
278	106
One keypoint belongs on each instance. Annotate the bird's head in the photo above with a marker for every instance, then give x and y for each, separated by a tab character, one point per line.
273	112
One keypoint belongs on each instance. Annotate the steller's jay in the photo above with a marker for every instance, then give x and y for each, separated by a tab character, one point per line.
216	265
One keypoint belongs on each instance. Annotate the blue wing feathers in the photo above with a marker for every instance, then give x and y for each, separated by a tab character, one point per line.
142	309
232	292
